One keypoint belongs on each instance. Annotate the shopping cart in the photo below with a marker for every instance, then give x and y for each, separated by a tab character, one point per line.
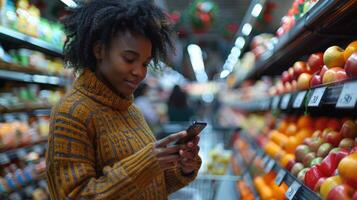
208	187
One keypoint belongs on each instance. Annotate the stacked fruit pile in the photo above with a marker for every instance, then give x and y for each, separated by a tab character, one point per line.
298	9
245	192
335	64
267	188
284	140
321	152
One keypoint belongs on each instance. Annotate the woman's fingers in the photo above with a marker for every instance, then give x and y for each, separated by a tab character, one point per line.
171	138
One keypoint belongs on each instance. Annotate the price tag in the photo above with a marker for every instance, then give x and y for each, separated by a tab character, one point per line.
269	166
280	177
4	159
299	99
294	187
265	160
275	102
285	101
21	153
316	97
348	96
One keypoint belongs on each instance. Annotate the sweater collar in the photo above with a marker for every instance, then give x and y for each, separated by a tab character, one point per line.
94	88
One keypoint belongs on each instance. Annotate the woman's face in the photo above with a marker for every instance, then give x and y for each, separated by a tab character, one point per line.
124	65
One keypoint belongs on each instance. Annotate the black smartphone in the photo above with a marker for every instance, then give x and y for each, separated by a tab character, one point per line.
192	131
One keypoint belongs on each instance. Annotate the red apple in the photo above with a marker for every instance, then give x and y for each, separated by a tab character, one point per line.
301	151
290	164
303	82
333	75
349	129
354	196
333	137
291	73
308	158
319	183
285	77
335	150
294	85
315	62
315	80
323	70
333	57
340	192
346	143
299	68
354	149
288	87
280	88
351	65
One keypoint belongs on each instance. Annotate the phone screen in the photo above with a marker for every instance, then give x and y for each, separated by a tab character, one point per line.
192	132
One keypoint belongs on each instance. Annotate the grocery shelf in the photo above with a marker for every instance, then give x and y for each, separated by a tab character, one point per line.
331	97
25	108
301	191
29	41
8	154
325	24
34	78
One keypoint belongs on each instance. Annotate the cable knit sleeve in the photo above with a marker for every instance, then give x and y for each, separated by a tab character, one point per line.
71	165
176	180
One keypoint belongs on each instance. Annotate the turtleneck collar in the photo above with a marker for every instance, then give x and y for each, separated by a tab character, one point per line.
92	87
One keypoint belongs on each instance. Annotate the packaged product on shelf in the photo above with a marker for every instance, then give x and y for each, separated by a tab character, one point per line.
8	14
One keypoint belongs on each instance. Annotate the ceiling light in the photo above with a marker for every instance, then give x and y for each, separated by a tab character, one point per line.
224	73
247	28
240	42
235	52
70	3
257	9
196	59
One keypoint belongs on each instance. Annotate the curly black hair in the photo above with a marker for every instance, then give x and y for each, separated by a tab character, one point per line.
102	20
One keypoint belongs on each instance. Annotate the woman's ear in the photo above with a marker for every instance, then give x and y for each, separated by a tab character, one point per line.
98	51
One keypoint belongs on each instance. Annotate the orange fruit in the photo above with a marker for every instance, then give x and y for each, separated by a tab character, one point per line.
272	149
302	134
283	126
291	129
269	177
291	145
305	121
286	158
351	48
277	137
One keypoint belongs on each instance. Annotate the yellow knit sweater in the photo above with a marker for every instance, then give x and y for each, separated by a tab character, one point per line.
100	147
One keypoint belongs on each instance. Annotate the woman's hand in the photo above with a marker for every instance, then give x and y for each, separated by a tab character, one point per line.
188	156
168	156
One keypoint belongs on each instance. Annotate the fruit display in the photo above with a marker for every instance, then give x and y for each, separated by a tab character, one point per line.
244	190
333	65
298	9
267	188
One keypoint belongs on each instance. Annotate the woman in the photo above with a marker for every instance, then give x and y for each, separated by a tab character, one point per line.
100	146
